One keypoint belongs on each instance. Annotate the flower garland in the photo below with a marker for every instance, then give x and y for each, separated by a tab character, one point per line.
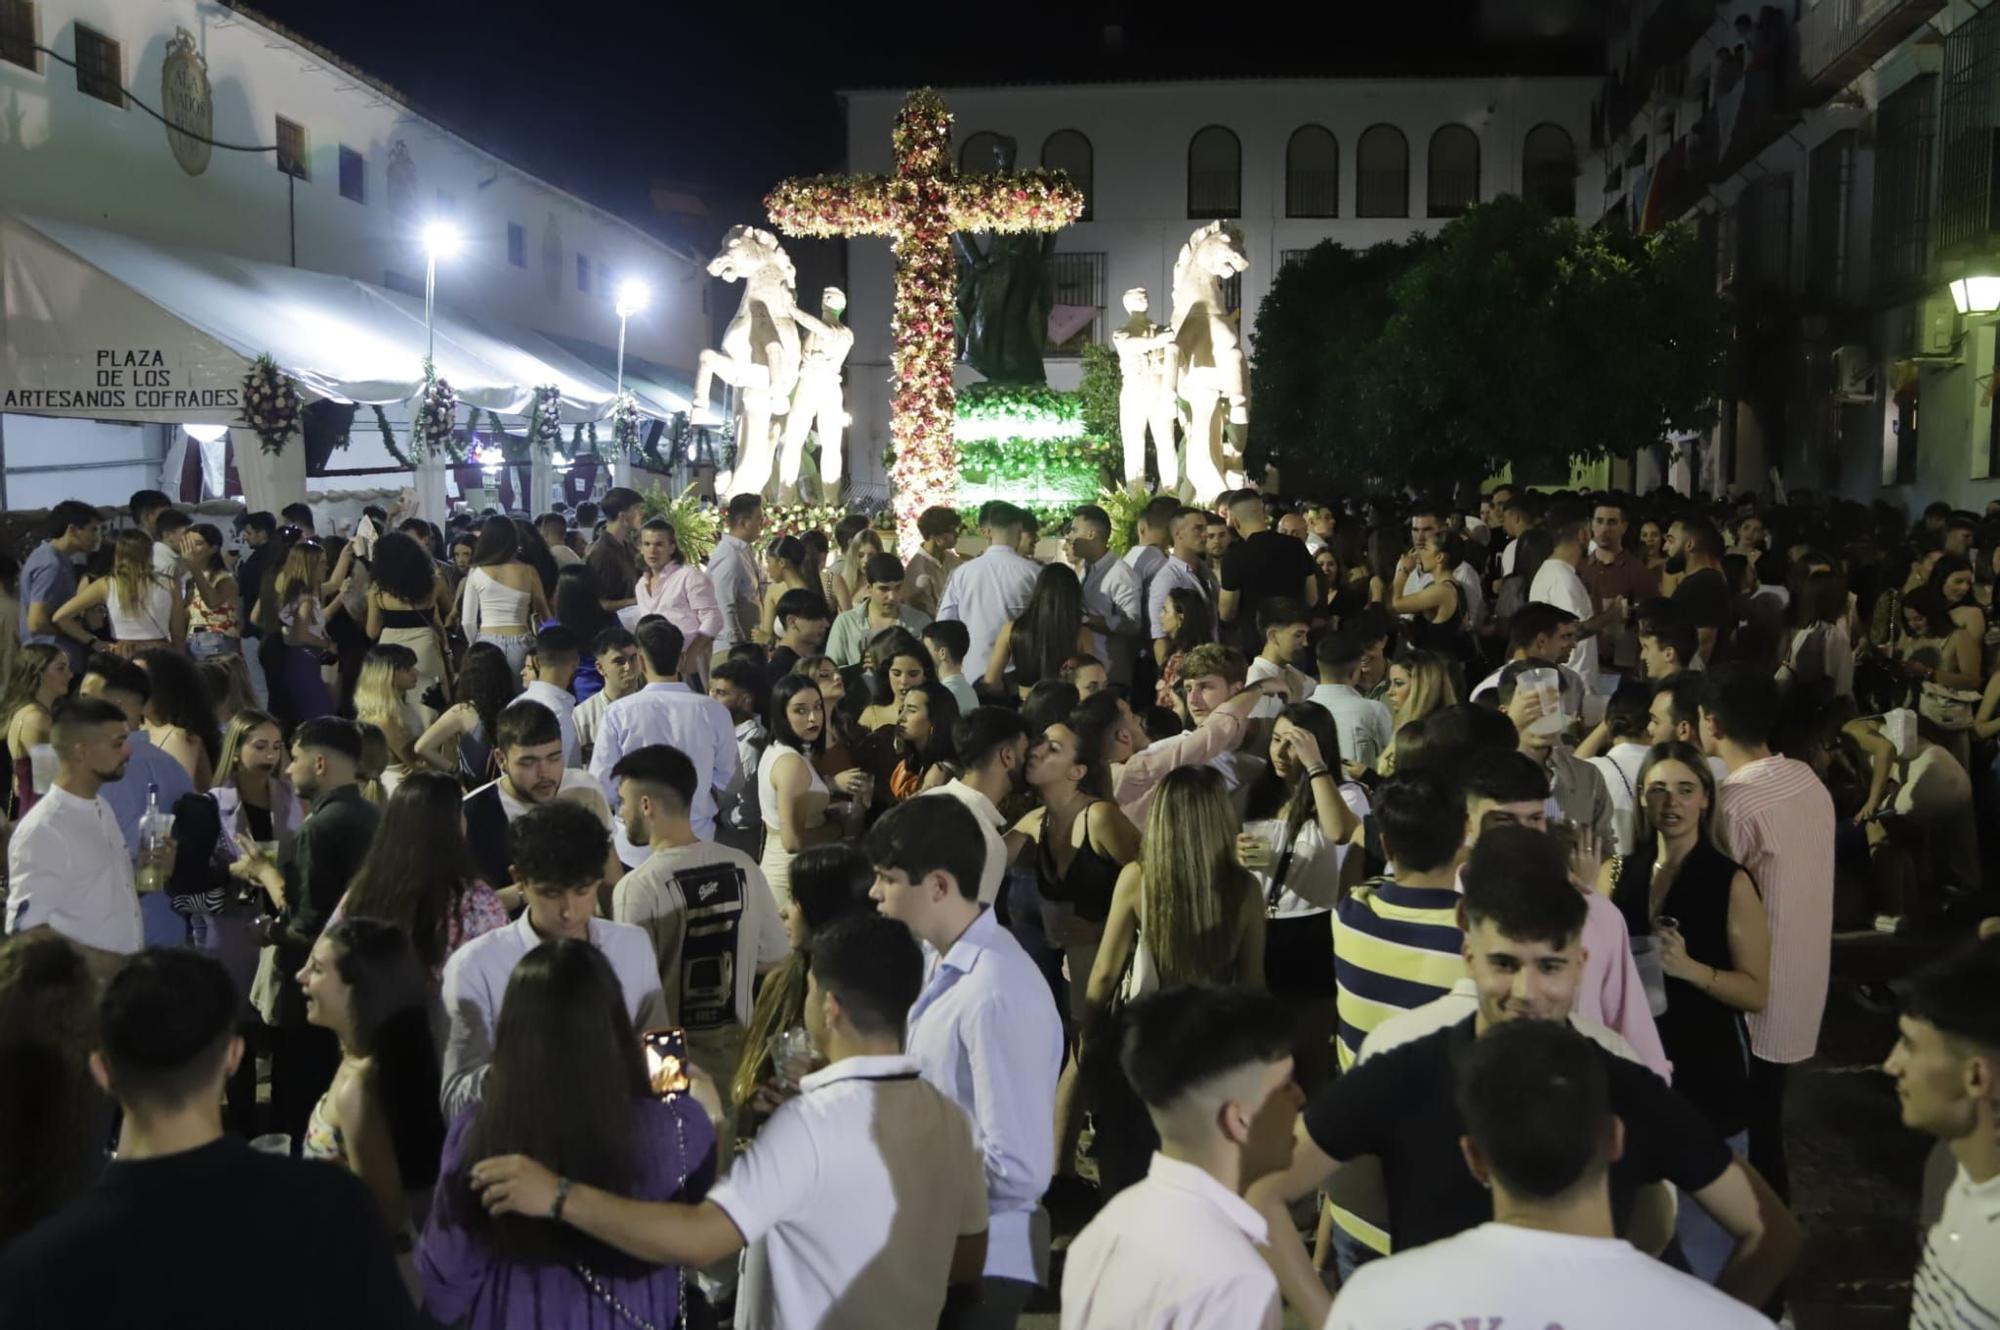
271	404
545	419
919	208
625	426
435	430
795	519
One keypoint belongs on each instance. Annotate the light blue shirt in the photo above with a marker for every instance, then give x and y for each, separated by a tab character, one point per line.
985	1031
127	795
989	591
671	713
1111	591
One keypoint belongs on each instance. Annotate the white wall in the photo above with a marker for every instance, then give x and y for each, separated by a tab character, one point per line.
70	154
99	461
1139	134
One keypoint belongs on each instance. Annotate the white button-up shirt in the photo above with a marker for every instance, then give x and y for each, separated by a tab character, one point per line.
671	713
985	593
1175	572
68	868
858	1191
985	1031
1111	591
1179	1250
991	823
1145	560
563	703
739	591
475	981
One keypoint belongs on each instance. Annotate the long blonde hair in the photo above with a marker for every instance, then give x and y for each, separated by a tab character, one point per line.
236	734
376	699
1431	686
132	579
1191	889
24	683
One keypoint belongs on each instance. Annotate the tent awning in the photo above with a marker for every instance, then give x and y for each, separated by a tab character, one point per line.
98	323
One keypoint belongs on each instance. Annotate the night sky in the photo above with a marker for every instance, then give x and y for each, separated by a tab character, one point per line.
606	97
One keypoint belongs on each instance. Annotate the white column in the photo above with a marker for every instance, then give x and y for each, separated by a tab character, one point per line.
269	483
427	479
541	481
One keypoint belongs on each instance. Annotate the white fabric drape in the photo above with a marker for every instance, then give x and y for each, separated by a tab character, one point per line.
427	478
269	483
215	468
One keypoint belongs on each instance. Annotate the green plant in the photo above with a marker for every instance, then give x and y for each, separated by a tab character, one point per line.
1098	392
695	521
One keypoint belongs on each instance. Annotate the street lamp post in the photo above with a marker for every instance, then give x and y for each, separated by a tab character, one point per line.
632	297
441	241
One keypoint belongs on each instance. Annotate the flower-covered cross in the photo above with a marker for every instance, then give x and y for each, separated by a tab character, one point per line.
918	208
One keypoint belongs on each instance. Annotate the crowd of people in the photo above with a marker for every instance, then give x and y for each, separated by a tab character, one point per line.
1393	912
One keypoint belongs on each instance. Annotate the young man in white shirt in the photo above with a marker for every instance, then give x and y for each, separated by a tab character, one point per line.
985	1031
68	869
1946	1065
667	711
707	909
992	589
617	655
1286	625
863	1190
1365	726
557	851
546	678
1541	1135
1214	1069
1559	583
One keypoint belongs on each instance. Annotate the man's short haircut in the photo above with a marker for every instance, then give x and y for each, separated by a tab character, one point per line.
1612	500
526	724
1281	612
1566	517
744	675
1700	535
1454	736
1665	623
982	731
938	520
298	514
1536	1101
662	767
1181	1038
1510	679
931	834
617	499
330	734
1215	658
1370	626
165	1021
953	636
799	603
554	519
873	965
1000	515
1341	651
74	715
1161	513
882	568
661	643
120	675
557	645
261	521
610	642
171	520
847	528
1687	688
1244	499
1956	994
557	844
75	513
1422	817
744	505
148	501
1510	777
1535	620
1048	703
1743	701
1629	714
1517	879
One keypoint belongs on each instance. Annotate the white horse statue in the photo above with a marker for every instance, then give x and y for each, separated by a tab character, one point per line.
759	356
1209	361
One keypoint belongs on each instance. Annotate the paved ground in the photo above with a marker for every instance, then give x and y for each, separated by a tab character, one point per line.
1856	1173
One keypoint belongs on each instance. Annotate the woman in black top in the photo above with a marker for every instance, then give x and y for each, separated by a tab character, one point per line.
1714	937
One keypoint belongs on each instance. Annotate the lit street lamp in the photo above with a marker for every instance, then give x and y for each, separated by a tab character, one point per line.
441	241
1976	293
632	297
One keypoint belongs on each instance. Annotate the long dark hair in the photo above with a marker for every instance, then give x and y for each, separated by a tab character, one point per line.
180	697
392	1029
565	1088
535	553
417	865
577	605
1046	632
486	681
498	543
943	710
1270	794
1197	624
888	646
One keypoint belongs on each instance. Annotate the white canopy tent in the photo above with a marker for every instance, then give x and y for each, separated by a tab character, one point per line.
98	324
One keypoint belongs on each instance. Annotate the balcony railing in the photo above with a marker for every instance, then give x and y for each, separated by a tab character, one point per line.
1838	39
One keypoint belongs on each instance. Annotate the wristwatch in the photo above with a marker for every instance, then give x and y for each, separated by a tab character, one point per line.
562	1196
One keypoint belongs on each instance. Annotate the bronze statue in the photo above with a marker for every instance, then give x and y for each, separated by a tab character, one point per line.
1005	293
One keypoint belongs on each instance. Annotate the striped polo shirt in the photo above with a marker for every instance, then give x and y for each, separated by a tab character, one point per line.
1395	948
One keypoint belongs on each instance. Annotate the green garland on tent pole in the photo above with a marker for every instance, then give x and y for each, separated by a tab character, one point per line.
389	438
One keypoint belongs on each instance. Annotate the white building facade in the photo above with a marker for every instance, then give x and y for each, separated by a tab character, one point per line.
344	178
1290	163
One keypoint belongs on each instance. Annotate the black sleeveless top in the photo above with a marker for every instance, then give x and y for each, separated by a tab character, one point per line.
1090	880
1706	1040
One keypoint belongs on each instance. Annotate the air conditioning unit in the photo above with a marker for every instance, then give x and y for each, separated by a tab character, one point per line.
1937	327
1853	375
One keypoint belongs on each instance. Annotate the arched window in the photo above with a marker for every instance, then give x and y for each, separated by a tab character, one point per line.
1453	171
975	155
1215	174
1312	173
1067	150
1548	169
1382	173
